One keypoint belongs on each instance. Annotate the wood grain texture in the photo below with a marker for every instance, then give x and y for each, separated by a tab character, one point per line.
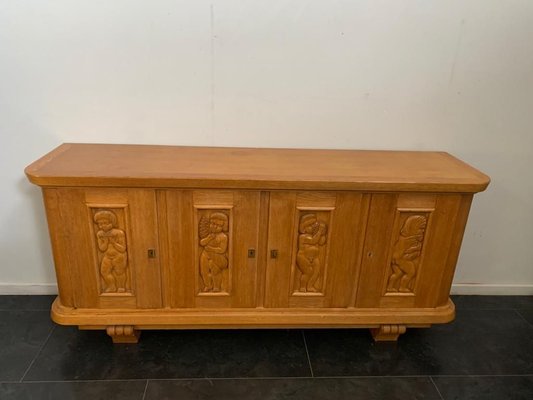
75	234
386	220
457	238
245	168
258	317
60	250
186	255
281	240
159	237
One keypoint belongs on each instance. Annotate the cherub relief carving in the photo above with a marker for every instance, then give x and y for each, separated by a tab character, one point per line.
214	250
406	255
112	244
313	235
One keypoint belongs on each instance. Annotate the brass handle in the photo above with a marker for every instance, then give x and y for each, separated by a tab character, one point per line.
251	253
151	253
274	253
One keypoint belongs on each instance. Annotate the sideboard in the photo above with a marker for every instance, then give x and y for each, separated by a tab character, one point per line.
167	237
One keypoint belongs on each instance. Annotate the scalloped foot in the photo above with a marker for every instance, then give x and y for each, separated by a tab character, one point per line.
123	333
387	333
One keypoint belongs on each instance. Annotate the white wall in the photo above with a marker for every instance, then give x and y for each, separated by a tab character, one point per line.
454	75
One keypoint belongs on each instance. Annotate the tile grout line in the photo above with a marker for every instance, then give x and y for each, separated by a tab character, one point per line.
86	380
308	358
436	388
523	318
38	354
145	389
481	376
486	309
266	378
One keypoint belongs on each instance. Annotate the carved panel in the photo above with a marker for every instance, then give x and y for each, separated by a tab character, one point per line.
214	242
311	251
407	252
112	250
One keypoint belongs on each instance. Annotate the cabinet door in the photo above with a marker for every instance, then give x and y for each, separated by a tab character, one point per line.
211	247
411	248
315	241
108	240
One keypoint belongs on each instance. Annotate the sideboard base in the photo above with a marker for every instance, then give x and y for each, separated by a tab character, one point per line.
124	325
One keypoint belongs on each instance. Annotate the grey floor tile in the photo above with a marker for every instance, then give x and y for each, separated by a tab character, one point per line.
12	303
308	389
123	390
480	342
22	334
485	388
527	314
71	354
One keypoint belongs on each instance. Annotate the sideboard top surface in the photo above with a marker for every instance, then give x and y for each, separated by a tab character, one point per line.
115	165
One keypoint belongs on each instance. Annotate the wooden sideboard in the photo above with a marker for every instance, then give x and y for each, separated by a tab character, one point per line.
162	237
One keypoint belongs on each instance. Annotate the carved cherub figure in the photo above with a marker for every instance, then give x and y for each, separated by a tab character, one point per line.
407	250
112	243
313	234
213	259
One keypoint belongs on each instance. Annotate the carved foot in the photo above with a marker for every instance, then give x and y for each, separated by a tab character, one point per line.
123	333
387	333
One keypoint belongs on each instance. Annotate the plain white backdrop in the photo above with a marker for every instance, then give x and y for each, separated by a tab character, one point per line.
453	75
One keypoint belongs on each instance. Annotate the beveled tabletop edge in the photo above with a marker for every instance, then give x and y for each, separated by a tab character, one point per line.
476	181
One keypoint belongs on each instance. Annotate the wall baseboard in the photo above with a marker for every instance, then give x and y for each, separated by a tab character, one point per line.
28	288
458	288
492	290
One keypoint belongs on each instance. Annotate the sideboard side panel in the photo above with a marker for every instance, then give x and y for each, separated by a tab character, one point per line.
453	254
439	244
58	238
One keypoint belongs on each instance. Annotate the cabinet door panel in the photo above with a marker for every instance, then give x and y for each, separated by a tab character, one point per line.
210	234
108	246
280	240
318	238
407	248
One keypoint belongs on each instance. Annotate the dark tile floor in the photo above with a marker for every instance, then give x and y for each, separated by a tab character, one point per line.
487	353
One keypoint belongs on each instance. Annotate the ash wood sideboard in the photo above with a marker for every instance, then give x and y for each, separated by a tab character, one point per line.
162	237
